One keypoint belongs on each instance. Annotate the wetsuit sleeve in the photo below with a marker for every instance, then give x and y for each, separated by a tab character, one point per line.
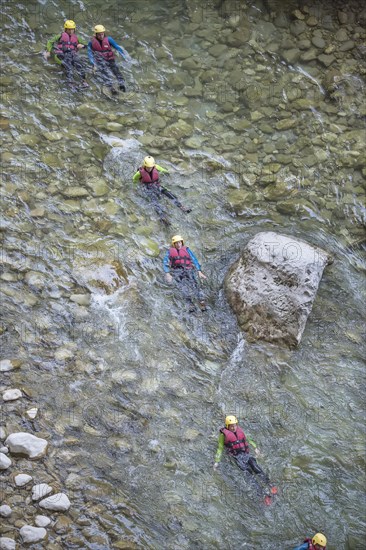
304	546
161	169
136	177
52	41
194	259
166	262
90	53
220	447
117	47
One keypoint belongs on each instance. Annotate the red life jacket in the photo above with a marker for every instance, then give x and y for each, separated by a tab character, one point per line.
180	258
311	545
235	440
102	48
67	43
149	177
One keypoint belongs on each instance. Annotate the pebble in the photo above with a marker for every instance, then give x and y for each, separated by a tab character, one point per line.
81	299
6	365
5	511
41	490
57	502
32	534
22	479
26	444
12	395
5	462
32	413
42	521
7	544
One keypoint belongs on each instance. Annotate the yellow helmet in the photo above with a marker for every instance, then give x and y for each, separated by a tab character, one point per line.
69	24
231	419
176	239
98	28
320	539
149	162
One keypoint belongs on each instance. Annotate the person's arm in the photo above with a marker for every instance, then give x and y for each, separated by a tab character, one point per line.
304	546
194	259
51	42
161	169
220	448
90	54
166	262
117	47
136	177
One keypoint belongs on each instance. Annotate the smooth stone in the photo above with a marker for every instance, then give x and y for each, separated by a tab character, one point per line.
286	123
32	534
98	186
298	14
12	395
326	60
2	433
347	46
22	479
42	521
4	450
312	21
41	490
74	192
53	136
309	55
178	130
291	55
318	42
32	413
5	365
27	444
38	212
7	544
36	279
5	511
81	299
341	35
342	17
63	354
57	502
297	27
5	462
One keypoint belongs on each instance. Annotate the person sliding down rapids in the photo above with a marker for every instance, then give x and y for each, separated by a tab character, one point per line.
149	175
65	47
233	439
180	265
318	542
101	56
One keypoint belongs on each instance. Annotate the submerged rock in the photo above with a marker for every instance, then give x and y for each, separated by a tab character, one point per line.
273	285
32	534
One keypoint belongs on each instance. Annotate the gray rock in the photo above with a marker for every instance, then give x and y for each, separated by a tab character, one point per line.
272	287
6	365
5	462
12	395
42	521
2	433
326	60
7	544
292	55
22	479
32	534
341	35
57	502
27	444
342	17
297	27
318	42
347	46
81	299
74	192
5	511
41	490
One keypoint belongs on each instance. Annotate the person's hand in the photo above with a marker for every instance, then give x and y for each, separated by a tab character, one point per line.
215	466
201	275
94	69
168	278
80	46
46	55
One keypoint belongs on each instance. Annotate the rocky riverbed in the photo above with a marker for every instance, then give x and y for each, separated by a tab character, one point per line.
258	111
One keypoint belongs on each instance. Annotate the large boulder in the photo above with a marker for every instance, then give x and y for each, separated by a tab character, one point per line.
26	444
272	287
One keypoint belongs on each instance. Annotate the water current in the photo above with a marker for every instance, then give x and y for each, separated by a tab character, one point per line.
260	133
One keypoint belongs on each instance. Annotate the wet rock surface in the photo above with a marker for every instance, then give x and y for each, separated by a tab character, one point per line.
273	285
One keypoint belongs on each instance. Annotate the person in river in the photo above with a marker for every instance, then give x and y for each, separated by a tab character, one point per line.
149	176
318	542
234	440
65	47
102	58
180	265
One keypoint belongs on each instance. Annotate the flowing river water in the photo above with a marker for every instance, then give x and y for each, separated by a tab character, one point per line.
262	129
